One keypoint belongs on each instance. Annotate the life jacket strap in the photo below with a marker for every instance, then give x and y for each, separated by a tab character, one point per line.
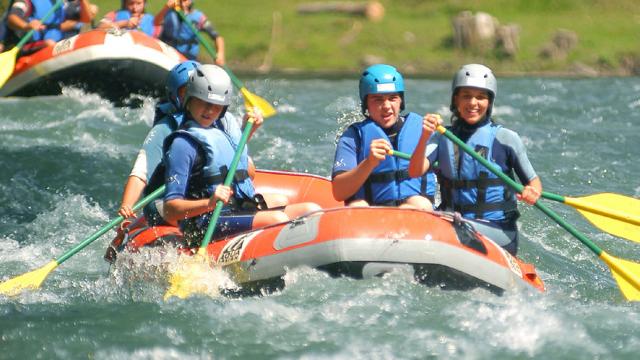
388	176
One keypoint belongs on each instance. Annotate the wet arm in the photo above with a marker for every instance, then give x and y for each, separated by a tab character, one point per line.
180	209
86	16
218	40
17	23
346	184
419	164
159	18
132	192
220	58
522	166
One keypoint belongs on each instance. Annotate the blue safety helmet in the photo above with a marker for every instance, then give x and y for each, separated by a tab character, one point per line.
177	78
380	79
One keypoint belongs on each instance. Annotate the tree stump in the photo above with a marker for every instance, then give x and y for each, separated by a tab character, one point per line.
508	39
476	32
483	33
560	45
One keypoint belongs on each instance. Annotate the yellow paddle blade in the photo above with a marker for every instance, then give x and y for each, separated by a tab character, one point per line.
252	100
614	213
189	276
7	63
29	281
626	273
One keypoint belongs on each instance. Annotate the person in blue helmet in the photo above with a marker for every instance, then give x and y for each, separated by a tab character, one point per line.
130	16
196	160
167	119
26	15
465	185
179	35
363	172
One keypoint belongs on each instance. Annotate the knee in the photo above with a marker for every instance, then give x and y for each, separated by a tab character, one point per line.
279	216
311	207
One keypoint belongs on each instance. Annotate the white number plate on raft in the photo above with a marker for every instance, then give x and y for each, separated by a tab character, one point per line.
511	261
64	45
233	250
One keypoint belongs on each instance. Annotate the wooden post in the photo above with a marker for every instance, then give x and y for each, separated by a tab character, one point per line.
372	10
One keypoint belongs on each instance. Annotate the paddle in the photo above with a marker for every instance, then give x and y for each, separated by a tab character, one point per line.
32	280
251	100
184	281
8	58
626	273
616	214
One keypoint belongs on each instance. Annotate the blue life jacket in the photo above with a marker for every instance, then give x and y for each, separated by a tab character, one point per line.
166	110
218	147
179	34
39	9
146	22
470	188
389	183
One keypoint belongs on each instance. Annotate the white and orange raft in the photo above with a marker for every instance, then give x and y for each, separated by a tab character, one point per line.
359	242
113	64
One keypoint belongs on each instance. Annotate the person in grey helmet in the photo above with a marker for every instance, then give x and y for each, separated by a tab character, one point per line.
196	160
465	185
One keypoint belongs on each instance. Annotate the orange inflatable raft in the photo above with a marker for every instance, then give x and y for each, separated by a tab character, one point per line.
362	242
113	64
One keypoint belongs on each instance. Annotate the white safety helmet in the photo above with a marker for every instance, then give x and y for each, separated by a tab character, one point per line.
211	84
475	76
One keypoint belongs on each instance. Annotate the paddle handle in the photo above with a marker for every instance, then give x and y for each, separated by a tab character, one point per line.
142	203
227	181
400	154
46	16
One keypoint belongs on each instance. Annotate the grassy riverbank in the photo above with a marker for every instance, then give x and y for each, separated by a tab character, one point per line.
416	36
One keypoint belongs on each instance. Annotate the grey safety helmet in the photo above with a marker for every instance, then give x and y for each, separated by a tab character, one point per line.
211	84
475	76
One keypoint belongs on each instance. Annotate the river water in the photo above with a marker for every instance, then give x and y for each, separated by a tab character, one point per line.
64	161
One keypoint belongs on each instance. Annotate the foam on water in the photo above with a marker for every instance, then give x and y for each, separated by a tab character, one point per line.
57	188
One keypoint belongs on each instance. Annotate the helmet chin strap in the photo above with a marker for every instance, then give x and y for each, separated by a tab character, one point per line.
224	111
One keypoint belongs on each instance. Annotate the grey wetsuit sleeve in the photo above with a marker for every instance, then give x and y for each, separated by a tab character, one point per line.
517	154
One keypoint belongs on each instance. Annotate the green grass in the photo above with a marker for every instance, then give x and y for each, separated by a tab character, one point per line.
416	35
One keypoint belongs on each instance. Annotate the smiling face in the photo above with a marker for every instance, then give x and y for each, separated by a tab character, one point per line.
203	112
384	109
471	104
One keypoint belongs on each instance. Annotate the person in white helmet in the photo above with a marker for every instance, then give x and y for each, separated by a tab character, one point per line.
465	185
196	161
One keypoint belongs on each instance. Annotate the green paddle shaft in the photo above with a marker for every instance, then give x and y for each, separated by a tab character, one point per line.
149	198
227	181
518	187
209	48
